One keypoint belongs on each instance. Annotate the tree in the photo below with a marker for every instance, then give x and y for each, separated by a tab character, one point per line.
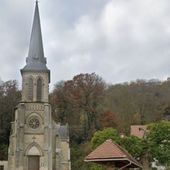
78	155
77	102
101	136
108	119
9	98
87	105
158	138
3	152
134	145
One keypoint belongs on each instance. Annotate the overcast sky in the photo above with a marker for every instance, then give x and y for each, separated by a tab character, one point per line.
120	40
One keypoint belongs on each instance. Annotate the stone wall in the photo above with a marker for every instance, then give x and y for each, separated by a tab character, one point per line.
4	164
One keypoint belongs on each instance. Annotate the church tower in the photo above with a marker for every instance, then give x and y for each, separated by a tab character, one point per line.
36	141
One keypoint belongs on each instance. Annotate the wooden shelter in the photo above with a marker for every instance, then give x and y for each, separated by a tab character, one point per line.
112	156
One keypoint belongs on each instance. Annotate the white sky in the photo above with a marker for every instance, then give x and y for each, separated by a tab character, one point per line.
120	40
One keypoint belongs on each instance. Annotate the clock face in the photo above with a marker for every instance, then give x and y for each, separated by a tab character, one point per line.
34	122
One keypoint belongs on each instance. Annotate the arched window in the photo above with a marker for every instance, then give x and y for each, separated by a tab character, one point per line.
30	89
39	89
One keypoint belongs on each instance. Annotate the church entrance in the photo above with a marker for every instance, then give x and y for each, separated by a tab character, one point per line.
33	162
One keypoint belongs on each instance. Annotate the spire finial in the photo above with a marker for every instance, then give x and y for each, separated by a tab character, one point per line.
36	2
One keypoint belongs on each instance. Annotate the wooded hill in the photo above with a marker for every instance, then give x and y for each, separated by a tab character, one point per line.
88	104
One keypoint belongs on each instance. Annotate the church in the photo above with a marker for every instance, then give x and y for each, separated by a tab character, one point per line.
36	141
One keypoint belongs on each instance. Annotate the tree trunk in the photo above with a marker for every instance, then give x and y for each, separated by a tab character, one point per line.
145	163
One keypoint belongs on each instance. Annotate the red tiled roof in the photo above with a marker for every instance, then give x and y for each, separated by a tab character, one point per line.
138	130
111	152
106	150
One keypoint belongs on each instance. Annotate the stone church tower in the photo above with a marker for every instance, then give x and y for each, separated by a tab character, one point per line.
36	141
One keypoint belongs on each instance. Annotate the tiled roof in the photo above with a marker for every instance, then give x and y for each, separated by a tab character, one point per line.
138	130
107	150
110	152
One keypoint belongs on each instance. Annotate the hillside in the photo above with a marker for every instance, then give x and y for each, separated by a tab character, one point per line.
88	104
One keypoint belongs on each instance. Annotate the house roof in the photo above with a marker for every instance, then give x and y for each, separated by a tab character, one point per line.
110	152
138	130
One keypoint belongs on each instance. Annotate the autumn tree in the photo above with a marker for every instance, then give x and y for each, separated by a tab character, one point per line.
78	101
108	119
86	109
137	102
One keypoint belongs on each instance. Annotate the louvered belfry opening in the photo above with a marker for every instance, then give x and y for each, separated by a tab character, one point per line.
39	89
30	89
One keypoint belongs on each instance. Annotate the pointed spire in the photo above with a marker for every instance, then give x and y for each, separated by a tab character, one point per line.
36	59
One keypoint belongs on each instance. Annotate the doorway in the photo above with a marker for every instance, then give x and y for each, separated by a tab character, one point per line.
33	162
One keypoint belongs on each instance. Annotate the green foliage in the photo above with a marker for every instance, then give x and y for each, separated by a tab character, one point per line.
100	136
78	154
77	157
158	138
135	146
3	152
87	105
9	98
132	144
97	167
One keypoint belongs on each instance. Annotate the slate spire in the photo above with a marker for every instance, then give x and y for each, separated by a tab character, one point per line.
36	60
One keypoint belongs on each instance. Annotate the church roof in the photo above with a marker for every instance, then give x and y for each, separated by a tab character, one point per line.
63	132
36	60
